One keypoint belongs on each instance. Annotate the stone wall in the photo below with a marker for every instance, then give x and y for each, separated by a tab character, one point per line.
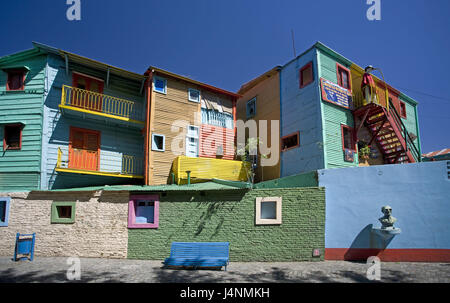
100	228
229	216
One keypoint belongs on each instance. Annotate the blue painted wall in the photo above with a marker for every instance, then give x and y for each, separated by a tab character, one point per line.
418	193
117	139
300	111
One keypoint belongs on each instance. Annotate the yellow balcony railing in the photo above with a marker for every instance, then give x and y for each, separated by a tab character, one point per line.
132	167
100	104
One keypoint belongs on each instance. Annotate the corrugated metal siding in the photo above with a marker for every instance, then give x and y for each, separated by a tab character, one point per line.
333	117
300	111
116	140
18	181
410	121
211	137
24	107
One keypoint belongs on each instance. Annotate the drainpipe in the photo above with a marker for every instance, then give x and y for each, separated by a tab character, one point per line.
189	176
147	125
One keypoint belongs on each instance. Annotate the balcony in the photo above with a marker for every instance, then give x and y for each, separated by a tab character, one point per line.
98	105
205	169
87	162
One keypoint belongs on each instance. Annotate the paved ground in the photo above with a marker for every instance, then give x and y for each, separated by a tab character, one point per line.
114	270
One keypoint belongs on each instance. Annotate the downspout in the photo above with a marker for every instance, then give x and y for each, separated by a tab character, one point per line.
147	126
234	123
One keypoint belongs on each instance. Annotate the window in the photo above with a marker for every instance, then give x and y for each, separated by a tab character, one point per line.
306	75
194	95
143	211
158	142
63	212
4	211
12	137
402	109
192	141
16	80
290	141
251	108
160	85
343	76
268	210
348	139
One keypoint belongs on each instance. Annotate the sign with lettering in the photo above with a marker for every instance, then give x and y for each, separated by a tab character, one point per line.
331	92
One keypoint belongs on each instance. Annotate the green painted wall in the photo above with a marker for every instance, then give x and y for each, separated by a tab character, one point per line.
410	121
333	117
309	179
20	169
230	216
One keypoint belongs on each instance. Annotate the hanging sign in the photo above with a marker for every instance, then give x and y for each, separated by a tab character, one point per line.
331	92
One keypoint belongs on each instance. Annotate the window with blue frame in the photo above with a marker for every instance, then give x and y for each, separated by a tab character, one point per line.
4	211
160	85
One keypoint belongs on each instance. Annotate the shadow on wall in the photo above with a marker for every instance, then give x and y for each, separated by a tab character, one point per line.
366	244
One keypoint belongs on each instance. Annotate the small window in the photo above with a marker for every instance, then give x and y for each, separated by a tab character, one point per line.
4	211
251	108
16	80
63	212
268	210
194	95
290	141
343	76
160	85
158	142
348	140
143	211
306	75
12	138
402	109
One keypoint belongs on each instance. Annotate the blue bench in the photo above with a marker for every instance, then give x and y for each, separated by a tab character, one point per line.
199	254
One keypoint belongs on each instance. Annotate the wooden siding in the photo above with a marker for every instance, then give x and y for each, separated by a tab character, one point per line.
116	139
267	93
301	112
333	117
20	169
166	109
169	107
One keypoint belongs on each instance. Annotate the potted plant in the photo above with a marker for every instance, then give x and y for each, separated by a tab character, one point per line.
363	151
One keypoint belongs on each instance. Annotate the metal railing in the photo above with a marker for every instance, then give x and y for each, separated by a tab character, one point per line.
409	141
96	102
131	165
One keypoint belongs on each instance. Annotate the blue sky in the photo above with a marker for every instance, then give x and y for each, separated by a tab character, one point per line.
228	42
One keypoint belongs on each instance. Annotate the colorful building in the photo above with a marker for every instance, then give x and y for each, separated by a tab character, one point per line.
325	121
69	121
191	131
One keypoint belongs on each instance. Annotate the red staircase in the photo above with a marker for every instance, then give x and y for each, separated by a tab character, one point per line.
389	132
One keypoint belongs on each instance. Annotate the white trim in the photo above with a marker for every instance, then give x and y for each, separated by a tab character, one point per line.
84	75
277	220
164	143
165	85
189	95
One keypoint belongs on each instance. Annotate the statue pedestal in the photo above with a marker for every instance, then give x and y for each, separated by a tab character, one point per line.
381	237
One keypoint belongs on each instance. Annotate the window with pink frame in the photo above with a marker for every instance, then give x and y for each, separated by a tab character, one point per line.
143	211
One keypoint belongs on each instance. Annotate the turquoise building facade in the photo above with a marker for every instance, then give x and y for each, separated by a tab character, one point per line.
328	131
79	122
